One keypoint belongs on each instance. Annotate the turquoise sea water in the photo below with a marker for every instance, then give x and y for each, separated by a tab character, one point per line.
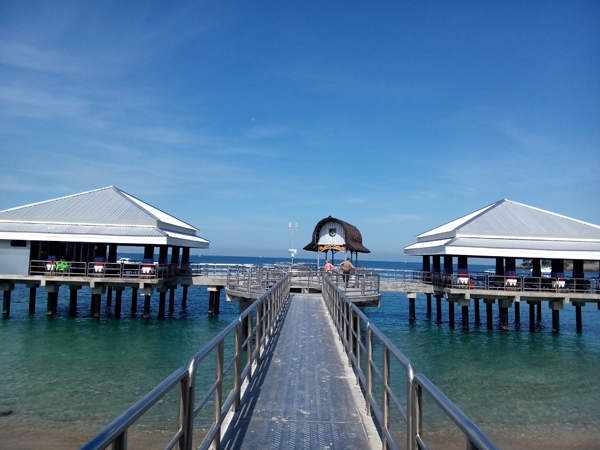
67	373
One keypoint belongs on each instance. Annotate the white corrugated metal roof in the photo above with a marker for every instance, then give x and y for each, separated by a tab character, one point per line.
508	228
108	212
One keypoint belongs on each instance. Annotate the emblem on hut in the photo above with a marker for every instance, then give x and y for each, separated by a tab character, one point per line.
332	232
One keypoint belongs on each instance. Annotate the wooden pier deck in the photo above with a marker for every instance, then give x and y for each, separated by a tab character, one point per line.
308	397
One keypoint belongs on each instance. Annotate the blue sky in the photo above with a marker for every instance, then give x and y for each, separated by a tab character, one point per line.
239	117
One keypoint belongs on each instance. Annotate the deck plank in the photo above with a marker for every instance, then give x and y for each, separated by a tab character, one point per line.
304	399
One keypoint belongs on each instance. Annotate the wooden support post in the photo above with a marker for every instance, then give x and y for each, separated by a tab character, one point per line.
531	316
428	305
539	312
172	299
465	318
118	300
578	321
184	297
517	313
6	303
411	306
109	291
134	300
451	314
161	304
477	314
146	307
438	304
32	294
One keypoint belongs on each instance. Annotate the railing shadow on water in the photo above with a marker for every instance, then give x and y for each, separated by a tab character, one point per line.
235	354
398	415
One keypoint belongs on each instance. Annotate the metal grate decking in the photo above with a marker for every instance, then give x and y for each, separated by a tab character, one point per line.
304	399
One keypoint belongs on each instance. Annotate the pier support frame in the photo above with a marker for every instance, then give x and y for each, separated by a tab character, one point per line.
489	312
214	299
438	304
7	289
162	299
578	321
184	297
556	306
172	297
532	305
32	296
503	305
428	305
118	300
97	292
134	301
52	290
147	293
73	300
451	313
411	306
477	313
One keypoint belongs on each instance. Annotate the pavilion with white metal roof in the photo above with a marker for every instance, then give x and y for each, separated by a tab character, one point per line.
74	241
507	231
510	230
89	225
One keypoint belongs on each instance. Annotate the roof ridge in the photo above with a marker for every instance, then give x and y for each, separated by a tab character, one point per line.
58	198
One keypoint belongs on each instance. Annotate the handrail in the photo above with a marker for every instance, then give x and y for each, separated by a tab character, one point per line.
487	281
251	331
476	438
350	322
116	432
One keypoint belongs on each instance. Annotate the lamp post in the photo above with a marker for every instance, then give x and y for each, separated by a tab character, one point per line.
293	230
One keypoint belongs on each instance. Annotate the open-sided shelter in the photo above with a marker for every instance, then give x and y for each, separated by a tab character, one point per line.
506	231
90	226
334	235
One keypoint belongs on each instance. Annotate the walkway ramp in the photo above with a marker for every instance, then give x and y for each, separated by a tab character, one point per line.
304	397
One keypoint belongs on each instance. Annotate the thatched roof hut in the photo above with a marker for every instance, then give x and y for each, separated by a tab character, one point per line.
335	235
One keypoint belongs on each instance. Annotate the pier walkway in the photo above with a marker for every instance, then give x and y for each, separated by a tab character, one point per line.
315	407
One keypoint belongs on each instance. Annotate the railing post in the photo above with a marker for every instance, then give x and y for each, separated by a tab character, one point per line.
257	332
385	374
237	367
216	443
249	347
184	410
369	368
121	442
189	429
411	409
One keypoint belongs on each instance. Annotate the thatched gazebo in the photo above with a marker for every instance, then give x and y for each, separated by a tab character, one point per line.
334	235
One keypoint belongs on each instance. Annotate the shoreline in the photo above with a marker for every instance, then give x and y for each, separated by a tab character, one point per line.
51	438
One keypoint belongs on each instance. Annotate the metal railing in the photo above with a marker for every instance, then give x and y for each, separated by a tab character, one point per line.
251	333
256	279
517	283
253	279
486	281
359	338
103	269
